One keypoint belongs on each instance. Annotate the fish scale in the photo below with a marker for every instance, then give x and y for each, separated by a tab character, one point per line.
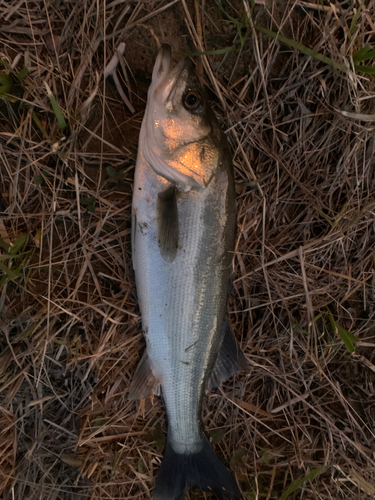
180	310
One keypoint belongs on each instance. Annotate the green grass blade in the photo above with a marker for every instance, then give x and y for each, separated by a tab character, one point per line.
6	64
357	57
208	52
363	54
8	272
208	16
365	69
39	124
353	24
8	256
4	245
56	108
21	74
5	83
314	320
18	244
300	47
348	338
300	482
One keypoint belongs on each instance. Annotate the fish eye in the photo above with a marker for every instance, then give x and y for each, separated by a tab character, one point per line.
193	101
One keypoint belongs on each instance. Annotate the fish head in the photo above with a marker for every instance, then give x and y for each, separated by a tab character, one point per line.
180	136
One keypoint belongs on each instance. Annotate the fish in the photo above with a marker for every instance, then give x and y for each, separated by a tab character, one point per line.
183	240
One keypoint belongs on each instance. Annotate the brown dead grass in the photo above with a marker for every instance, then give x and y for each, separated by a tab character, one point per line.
70	328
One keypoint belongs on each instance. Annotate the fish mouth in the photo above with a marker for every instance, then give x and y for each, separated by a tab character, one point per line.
162	65
164	78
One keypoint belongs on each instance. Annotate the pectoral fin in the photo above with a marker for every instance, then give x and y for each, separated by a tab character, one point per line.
143	380
167	220
229	360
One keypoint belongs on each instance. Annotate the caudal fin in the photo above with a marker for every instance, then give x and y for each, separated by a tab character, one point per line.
203	470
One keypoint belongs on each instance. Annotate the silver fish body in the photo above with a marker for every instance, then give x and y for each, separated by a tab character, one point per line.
183	242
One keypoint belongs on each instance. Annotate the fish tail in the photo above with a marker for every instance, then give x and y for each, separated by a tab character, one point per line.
204	470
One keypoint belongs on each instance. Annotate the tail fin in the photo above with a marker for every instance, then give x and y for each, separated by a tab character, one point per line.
179	472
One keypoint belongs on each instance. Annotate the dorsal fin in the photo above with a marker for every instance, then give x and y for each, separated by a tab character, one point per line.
167	221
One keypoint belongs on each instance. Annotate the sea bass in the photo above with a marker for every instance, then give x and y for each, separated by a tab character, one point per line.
183	230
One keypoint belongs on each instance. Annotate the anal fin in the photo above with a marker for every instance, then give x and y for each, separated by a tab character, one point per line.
167	218
143	380
229	360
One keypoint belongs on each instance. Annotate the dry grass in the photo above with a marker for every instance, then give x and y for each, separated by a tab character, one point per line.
303	269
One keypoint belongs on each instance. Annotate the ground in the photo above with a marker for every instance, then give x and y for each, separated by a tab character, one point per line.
292	84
